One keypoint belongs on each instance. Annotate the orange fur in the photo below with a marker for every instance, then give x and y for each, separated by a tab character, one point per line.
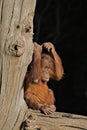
43	95
43	67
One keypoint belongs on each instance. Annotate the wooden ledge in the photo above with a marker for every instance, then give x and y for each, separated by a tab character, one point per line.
57	121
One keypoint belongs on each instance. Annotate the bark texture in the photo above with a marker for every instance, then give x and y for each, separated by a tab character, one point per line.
57	121
16	48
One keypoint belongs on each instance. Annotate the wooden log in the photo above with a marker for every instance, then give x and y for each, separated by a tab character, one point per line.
16	50
57	121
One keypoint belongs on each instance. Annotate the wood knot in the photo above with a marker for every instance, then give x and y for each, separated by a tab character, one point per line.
27	28
26	124
17	48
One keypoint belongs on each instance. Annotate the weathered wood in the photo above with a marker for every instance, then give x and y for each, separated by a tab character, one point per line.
16	49
57	121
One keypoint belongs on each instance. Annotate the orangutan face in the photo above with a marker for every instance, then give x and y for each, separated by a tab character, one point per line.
47	68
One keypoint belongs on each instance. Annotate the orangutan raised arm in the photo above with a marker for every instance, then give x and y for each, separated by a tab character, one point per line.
33	74
59	71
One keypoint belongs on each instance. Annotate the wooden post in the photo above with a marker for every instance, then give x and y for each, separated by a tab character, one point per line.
16	48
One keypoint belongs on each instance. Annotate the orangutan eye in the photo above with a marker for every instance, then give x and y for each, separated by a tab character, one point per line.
47	67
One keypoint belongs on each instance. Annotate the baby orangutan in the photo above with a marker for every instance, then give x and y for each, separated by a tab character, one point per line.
44	66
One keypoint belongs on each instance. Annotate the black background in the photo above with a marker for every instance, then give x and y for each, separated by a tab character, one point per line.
64	23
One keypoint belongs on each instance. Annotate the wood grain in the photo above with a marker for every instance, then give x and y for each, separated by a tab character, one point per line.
57	121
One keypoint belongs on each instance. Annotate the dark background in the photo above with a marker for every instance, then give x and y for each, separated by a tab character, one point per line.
64	23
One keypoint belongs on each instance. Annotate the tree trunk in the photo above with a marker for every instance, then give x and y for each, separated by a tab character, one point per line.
16	48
